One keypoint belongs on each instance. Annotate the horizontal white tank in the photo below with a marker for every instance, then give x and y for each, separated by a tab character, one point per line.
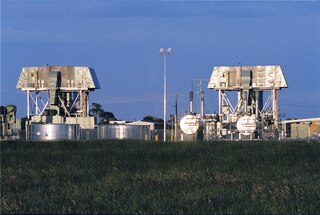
189	124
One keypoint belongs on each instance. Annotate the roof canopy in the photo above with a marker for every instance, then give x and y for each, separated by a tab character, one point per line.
247	77
70	78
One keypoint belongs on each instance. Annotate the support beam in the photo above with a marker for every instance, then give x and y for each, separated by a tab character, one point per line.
36	102
219	108
257	93
275	108
267	103
63	106
87	103
227	101
74	102
83	103
28	104
245	100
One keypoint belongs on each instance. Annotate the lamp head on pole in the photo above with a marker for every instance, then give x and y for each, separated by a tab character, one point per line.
162	51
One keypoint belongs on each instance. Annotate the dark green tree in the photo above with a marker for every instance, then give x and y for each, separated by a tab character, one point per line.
103	117
150	118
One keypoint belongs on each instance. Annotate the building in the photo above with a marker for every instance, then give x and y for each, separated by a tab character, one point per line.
301	128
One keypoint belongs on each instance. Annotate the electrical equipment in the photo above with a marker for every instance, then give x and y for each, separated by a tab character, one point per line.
250	115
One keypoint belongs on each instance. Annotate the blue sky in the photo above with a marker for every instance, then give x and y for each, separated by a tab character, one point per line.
121	41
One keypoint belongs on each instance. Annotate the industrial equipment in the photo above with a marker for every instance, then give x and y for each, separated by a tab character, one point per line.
57	95
192	127
250	117
190	124
53	132
10	125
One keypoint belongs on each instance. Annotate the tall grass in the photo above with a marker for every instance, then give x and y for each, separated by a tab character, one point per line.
147	177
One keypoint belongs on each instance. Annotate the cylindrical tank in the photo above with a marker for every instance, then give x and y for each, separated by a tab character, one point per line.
247	124
192	127
189	124
140	132
52	132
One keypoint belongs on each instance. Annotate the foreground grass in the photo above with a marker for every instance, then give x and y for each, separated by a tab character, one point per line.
146	177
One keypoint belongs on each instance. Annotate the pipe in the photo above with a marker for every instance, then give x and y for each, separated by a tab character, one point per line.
191	101
201	100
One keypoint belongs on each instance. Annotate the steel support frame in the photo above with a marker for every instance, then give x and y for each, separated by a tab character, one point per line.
272	103
34	109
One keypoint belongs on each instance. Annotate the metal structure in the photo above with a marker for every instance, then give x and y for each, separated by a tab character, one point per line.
138	132
165	53
53	132
250	117
10	125
58	95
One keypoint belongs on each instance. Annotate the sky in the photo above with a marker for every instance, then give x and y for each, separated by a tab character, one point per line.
121	41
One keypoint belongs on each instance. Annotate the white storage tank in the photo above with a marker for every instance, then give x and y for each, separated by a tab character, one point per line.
192	127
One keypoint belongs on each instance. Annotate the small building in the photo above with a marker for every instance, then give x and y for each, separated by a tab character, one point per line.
301	128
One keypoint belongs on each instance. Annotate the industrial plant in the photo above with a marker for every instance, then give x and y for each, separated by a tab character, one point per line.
58	102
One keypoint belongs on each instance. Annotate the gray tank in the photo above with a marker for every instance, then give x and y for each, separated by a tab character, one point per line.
52	132
138	132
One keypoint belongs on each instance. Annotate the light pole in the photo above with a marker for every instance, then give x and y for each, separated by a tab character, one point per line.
165	53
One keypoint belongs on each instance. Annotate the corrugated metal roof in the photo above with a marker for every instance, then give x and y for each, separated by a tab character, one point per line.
236	78
302	120
71	78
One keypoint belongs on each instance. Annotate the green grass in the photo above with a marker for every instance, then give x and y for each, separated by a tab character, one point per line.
147	177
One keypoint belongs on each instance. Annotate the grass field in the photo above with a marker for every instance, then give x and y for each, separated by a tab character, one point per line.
147	177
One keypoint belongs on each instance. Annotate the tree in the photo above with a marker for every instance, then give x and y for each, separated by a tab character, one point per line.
150	118
103	117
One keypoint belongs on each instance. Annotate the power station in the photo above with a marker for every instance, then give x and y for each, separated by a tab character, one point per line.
243	113
57	101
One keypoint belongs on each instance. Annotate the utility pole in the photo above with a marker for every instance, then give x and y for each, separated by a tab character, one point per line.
176	119
201	96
